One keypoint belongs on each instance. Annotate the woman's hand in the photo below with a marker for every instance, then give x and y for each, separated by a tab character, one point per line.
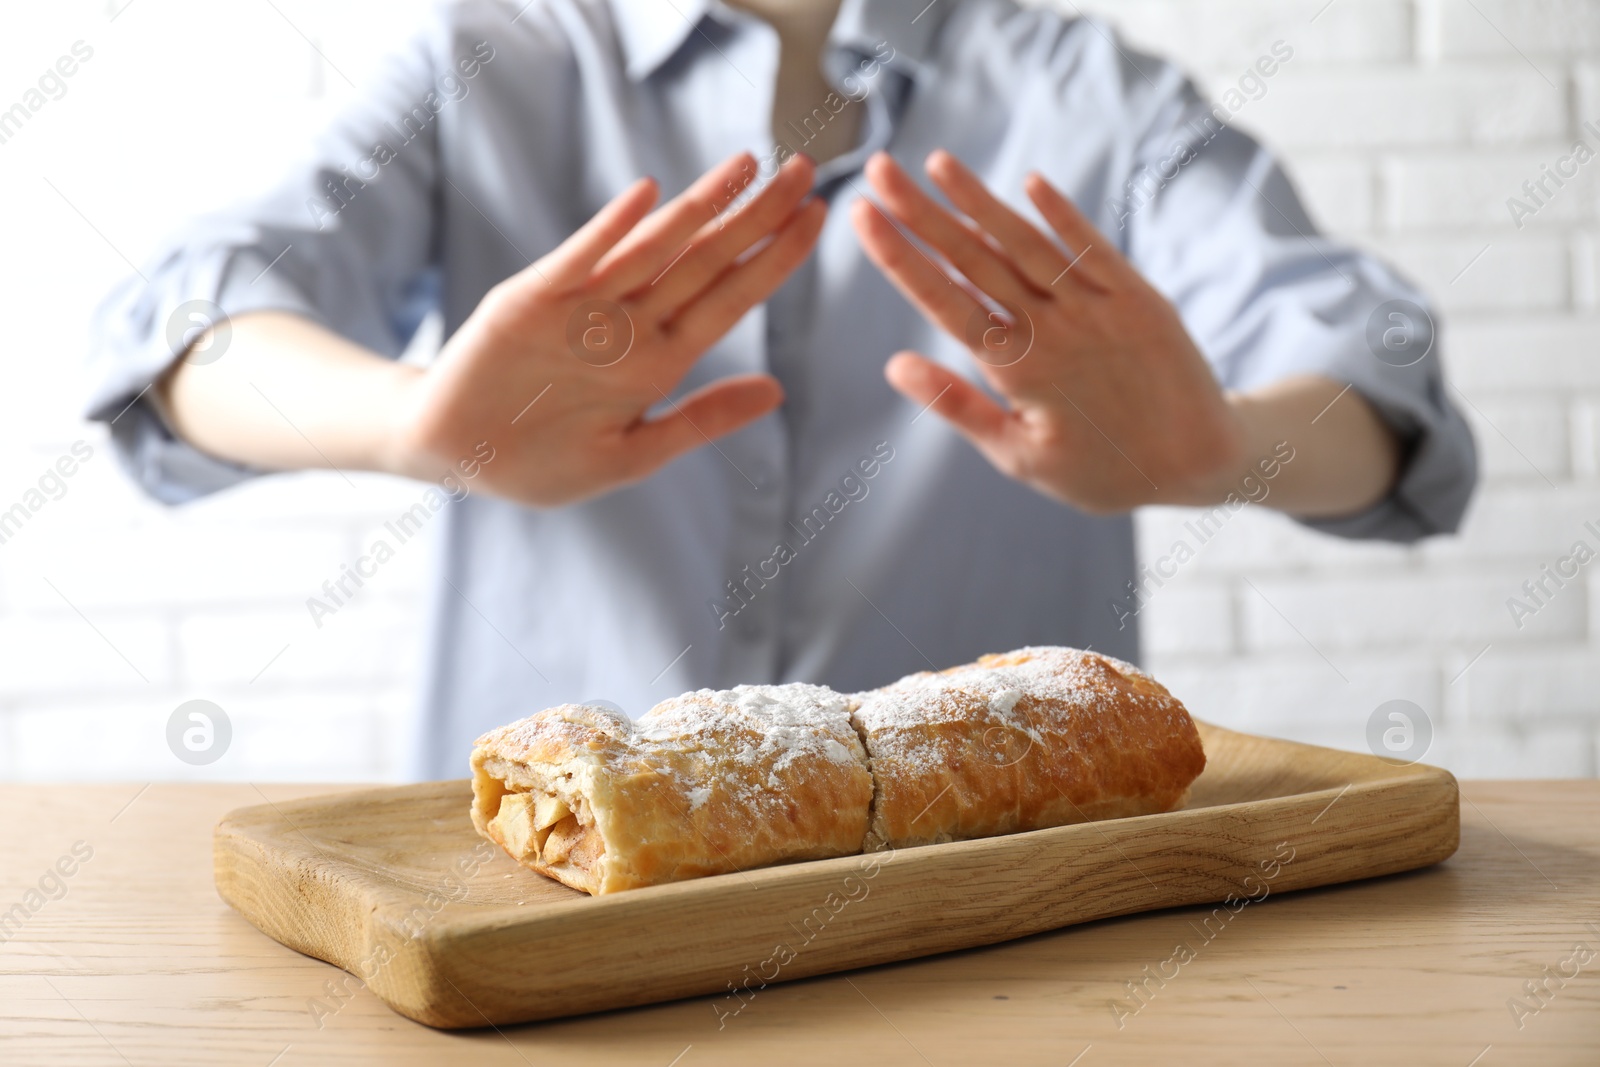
555	369
1108	403
559	363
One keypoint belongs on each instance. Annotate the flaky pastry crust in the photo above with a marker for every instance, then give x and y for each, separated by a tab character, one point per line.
706	783
1023	740
719	781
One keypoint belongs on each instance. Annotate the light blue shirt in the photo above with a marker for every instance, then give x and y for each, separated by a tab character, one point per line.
848	538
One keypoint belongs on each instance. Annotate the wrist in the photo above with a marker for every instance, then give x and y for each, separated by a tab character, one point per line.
396	447
1221	461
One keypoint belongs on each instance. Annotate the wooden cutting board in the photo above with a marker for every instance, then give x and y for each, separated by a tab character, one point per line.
394	886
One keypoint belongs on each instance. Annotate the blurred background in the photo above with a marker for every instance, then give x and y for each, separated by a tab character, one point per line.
1407	125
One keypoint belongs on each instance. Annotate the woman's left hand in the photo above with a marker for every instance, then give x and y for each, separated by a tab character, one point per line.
1108	402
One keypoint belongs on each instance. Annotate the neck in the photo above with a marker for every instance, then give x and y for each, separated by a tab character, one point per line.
802	27
803	21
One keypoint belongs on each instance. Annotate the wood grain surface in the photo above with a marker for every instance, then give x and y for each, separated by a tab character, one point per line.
139	962
396	887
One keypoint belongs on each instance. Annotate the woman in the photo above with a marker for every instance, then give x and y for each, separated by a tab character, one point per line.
942	291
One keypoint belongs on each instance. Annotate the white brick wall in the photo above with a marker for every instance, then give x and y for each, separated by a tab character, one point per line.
1406	124
114	610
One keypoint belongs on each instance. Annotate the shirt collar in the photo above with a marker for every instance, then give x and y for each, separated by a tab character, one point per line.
652	31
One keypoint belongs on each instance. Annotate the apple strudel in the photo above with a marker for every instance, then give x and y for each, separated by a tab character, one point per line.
705	783
716	782
1025	740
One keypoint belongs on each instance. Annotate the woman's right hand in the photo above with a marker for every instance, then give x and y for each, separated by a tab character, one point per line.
558	365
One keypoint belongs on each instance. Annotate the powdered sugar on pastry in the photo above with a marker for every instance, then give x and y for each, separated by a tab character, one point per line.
709	782
716	781
743	742
781	722
1029	739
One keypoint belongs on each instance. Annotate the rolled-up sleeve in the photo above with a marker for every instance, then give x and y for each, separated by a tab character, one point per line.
1214	223
345	238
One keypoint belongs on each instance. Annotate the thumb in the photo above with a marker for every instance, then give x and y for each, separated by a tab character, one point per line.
712	411
933	387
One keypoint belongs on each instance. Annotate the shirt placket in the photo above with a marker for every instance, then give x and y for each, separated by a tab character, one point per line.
758	456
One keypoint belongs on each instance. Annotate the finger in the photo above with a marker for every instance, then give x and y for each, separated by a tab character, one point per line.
706	414
570	262
746	284
1034	256
946	303
950	396
1095	258
965	250
718	244
650	248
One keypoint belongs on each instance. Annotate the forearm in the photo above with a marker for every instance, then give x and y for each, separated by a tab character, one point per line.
288	394
1345	457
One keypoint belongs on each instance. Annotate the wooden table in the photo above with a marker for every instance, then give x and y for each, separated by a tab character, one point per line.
132	959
